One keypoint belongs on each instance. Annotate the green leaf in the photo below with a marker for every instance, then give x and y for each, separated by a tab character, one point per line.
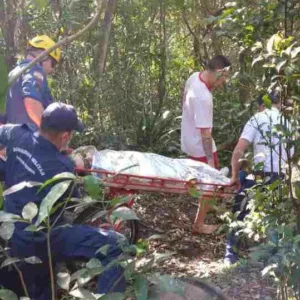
7	230
32	228
63	280
7	295
272	235
103	250
112	296
10	261
20	186
33	260
54	195
56	178
194	192
8	217
3	83
256	60
280	65
295	52
274	185
268	269
122	200
30	210
94	263
78	274
98	215
141	287
91	184
297	189
124	213
259	166
82	294
40	4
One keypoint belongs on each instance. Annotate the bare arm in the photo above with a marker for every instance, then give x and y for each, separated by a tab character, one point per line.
207	145
237	154
34	110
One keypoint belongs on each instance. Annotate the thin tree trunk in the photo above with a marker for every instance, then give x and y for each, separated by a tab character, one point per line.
163	57
8	32
105	34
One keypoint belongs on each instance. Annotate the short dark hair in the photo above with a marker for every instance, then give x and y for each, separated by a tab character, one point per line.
218	62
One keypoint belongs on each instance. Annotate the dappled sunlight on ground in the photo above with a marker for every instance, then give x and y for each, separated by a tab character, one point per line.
198	256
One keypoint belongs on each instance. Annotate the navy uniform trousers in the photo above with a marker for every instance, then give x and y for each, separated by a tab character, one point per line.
67	243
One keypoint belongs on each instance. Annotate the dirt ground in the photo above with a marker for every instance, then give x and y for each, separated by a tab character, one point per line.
199	256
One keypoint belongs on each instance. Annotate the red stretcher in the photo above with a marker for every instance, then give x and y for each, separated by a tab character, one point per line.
122	183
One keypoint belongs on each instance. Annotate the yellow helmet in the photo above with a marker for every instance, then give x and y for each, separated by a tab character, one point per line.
44	42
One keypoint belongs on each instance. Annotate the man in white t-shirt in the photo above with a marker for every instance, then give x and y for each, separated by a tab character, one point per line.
197	123
261	132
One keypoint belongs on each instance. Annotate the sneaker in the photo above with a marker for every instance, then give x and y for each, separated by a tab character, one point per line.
230	261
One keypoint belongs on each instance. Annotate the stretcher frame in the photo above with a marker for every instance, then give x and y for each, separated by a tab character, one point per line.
125	183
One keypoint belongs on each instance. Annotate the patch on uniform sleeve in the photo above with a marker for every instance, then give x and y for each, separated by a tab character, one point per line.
39	78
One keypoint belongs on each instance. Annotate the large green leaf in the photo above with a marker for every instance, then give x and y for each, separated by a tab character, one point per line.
83	294
6	230
7	295
122	200
91	184
3	83
57	178
54	195
124	213
141	287
94	263
8	217
9	261
112	296
33	260
30	210
63	280
103	250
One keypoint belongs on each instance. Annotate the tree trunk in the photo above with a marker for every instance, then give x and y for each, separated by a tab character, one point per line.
244	83
163	57
105	34
8	29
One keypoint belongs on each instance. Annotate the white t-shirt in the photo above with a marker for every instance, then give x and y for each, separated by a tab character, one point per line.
260	130
197	112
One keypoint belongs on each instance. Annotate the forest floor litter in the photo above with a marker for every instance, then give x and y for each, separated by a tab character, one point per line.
199	256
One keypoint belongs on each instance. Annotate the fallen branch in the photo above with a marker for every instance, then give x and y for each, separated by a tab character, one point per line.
64	41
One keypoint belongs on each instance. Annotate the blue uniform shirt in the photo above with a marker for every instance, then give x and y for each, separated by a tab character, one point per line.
30	157
32	84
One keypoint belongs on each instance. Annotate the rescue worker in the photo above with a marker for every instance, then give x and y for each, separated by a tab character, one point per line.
197	123
36	156
258	131
30	94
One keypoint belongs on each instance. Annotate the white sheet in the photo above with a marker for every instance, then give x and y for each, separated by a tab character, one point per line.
154	165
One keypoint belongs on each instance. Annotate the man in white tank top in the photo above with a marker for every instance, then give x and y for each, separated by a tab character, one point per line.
197	123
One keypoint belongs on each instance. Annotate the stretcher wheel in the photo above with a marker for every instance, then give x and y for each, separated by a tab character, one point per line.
128	228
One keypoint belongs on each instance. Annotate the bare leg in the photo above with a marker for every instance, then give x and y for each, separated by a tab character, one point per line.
199	226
